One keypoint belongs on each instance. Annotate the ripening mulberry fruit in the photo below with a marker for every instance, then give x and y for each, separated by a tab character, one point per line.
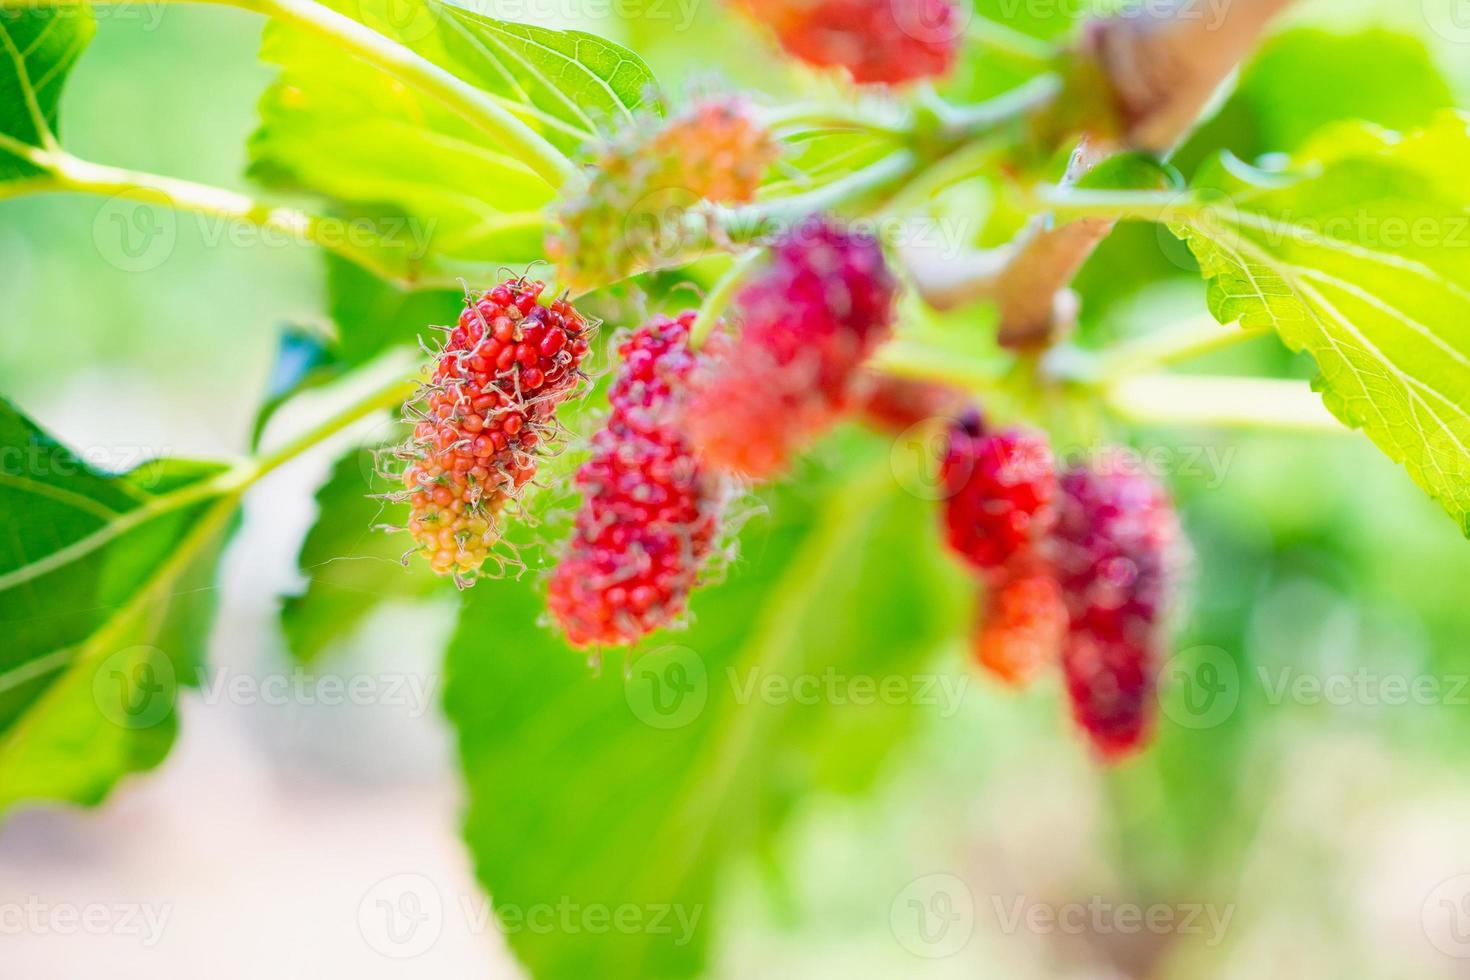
1022	625
650	513
809	320
1113	551
648	177
490	407
1000	489
890	41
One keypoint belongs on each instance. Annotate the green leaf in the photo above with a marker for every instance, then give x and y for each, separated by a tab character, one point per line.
372	316
438	192
104	580
627	797
351	564
1365	264
39	48
579	85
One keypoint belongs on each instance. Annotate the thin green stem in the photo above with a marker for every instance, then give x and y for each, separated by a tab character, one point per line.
69	173
1193	338
719	297
1069	204
907	359
1000	37
1273	404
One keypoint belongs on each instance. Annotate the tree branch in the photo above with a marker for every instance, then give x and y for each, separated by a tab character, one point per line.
1160	67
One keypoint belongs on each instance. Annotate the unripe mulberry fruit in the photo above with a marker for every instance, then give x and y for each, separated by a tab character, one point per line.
650	513
488	412
715	150
819	308
888	41
1114	553
1000	489
1022	625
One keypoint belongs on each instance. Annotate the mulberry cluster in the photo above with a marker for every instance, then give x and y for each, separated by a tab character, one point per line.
1076	568
1113	552
650	513
810	319
715	150
882	41
490	407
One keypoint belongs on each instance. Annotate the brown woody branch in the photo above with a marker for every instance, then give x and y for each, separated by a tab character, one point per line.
1160	67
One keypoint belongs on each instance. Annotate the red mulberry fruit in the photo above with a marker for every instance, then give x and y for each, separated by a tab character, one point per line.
890	41
1000	489
715	150
650	513
1022	626
810	319
491	403
1114	552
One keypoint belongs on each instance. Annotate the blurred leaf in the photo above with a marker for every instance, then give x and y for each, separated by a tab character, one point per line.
40	46
614	794
1306	78
1365	265
351	564
372	316
89	570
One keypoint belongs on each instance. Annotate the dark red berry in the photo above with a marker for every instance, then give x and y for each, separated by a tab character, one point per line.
650	512
1113	552
809	320
1000	488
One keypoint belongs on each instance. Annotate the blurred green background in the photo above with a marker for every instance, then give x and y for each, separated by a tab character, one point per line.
1329	827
